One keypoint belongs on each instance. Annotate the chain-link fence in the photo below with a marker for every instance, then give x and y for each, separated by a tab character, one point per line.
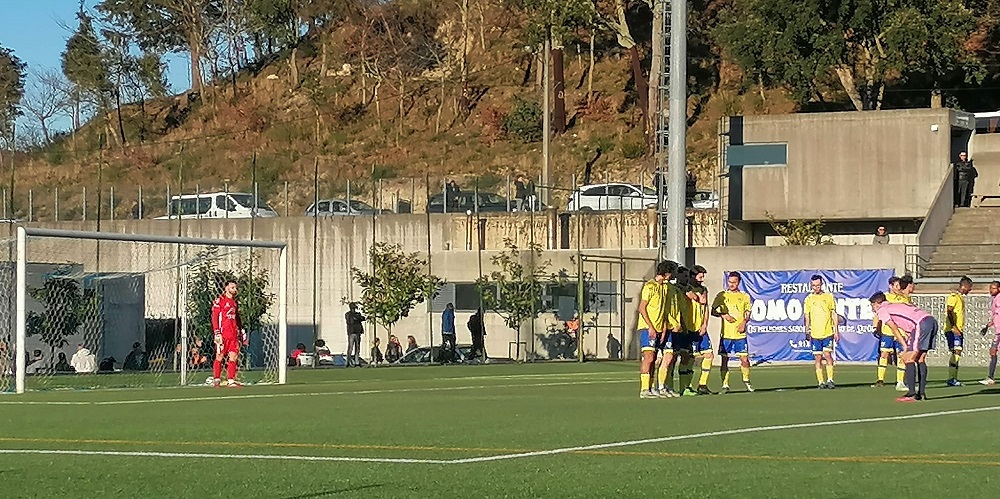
976	346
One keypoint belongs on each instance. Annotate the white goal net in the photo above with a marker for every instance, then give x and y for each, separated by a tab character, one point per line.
86	310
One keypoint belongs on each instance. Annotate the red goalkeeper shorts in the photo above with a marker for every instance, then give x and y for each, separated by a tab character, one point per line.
230	344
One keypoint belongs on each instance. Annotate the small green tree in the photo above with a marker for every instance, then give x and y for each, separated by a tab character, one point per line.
65	306
396	283
515	289
800	232
206	281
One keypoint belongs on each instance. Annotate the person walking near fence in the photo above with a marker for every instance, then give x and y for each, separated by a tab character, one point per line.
448	333
477	328
355	328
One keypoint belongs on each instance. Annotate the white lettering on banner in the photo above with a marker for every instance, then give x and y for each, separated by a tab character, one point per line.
779	310
795	288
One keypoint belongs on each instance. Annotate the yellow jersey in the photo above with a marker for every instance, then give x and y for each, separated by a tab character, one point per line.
819	308
695	312
736	304
672	310
956	319
654	294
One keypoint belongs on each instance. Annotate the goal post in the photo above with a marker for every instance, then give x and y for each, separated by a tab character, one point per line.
134	310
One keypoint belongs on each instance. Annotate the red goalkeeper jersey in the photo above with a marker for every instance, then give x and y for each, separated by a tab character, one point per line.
226	317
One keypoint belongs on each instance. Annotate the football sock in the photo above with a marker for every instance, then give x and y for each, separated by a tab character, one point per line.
706	369
746	374
882	364
993	367
910	378
661	376
922	371
644	382
819	375
900	373
953	365
231	370
829	372
217	369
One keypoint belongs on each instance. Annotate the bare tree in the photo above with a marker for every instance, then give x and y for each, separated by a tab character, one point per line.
47	97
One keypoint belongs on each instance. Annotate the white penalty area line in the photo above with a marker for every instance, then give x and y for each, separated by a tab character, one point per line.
500	457
313	394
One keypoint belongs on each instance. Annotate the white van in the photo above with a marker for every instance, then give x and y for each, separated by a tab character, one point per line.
217	205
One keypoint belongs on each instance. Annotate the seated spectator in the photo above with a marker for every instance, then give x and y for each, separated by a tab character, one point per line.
200	354
83	361
34	364
300	349
136	359
323	354
62	366
376	353
573	325
411	344
393	351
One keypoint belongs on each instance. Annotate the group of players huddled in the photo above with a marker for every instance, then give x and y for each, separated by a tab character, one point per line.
673	332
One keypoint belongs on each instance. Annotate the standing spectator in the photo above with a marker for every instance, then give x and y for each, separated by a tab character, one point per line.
393	350
137	210
477	328
355	328
448	331
965	180
881	236
451	191
411	344
525	194
376	353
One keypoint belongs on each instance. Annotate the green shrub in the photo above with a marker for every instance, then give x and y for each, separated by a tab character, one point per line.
524	122
633	149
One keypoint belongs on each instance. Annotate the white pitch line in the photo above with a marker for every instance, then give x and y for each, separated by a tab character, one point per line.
568	450
310	394
187	455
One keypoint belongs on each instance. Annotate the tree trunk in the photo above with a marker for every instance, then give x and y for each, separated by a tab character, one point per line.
641	87
559	89
437	121
658	59
847	82
118	108
323	58
482	25
196	81
465	42
293	67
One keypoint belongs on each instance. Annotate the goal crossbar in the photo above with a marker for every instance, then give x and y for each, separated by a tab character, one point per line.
22	292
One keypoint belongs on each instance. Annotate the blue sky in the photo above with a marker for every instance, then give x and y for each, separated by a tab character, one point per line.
37	30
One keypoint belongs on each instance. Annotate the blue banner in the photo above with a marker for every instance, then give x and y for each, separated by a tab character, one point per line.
776	331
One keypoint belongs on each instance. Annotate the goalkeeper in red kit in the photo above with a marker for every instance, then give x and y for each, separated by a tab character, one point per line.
228	333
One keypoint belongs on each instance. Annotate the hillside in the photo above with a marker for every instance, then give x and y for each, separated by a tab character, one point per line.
365	127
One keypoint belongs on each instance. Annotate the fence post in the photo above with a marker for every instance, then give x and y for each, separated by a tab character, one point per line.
84	204
31	206
197	202
56	203
286	198
111	202
138	203
5	217
168	201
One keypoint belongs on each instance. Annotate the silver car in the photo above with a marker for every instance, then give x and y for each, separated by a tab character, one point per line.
339	207
612	196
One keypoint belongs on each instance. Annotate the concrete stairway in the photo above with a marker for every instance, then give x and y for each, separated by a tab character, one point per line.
970	246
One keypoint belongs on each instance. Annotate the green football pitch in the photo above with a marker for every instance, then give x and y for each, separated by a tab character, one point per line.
550	430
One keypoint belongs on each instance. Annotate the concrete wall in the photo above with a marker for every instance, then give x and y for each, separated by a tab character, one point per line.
841	165
985	152
344	244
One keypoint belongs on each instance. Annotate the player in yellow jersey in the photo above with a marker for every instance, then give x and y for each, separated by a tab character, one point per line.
822	329
733	306
889	348
696	324
954	327
672	324
650	326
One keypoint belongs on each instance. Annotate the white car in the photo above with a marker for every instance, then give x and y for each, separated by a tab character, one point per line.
613	196
705	200
218	205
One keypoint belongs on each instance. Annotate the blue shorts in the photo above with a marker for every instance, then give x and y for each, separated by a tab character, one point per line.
889	344
683	342
954	342
647	342
822	345
703	344
734	347
666	345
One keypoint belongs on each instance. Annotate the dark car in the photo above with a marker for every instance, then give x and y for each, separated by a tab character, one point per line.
422	355
466	201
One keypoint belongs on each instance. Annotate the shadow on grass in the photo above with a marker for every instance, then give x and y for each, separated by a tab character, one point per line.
984	391
332	492
737	391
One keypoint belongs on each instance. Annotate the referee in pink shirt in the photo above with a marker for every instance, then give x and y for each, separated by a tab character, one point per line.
917	331
995	324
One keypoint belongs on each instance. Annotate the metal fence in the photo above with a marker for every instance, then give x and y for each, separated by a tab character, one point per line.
976	345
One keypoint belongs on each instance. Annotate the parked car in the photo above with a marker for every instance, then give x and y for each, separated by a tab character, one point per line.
217	205
342	207
465	201
613	196
422	355
705	200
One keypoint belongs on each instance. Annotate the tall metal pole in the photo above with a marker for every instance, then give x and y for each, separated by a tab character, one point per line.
677	161
546	119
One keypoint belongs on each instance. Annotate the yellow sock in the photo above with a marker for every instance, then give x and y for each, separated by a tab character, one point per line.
882	364
661	376
819	375
900	373
746	374
953	365
644	382
725	378
706	369
829	372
